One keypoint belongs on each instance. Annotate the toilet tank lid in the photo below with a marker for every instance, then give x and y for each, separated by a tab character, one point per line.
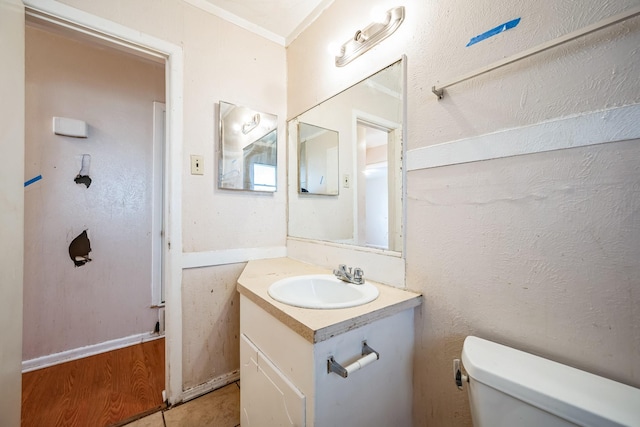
578	396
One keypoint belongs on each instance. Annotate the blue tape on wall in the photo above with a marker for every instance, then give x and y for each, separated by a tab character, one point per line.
492	32
32	180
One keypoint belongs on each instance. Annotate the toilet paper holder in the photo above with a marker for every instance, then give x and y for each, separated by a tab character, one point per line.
369	355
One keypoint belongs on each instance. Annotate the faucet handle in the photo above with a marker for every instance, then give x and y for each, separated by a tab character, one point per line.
358	275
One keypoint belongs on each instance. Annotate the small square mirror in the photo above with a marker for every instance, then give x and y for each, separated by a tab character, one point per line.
248	149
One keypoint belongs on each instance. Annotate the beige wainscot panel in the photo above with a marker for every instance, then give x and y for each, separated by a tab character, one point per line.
211	325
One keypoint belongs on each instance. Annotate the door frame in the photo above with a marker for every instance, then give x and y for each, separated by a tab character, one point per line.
120	35
12	131
157	237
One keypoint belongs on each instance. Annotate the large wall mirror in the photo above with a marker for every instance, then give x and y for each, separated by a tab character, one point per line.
248	149
363	177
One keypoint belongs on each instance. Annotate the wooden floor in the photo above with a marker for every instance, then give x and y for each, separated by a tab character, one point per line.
101	390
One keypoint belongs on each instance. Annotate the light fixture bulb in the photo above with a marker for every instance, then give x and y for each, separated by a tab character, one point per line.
334	48
378	14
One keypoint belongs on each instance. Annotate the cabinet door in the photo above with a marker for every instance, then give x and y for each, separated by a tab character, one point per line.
267	397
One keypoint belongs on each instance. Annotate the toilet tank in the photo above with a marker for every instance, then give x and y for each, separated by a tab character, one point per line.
508	387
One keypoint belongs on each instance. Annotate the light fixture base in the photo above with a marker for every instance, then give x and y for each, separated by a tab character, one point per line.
365	39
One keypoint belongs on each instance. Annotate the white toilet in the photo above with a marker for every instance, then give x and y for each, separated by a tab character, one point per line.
508	387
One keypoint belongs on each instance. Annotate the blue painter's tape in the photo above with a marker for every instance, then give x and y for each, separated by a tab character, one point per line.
492	32
32	180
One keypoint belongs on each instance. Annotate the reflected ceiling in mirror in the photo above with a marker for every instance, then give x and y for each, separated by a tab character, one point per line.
367	210
248	149
318	157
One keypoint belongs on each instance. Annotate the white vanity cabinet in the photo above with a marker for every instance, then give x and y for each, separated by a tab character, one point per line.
269	398
284	379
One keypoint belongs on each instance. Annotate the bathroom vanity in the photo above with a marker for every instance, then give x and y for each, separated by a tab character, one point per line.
284	352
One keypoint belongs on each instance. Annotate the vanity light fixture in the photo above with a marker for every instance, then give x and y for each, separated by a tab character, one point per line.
251	125
365	39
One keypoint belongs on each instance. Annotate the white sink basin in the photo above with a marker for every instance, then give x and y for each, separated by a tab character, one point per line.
321	291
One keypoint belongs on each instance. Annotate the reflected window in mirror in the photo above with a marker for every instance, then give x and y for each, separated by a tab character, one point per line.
248	149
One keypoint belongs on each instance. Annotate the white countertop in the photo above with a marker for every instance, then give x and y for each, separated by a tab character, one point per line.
312	324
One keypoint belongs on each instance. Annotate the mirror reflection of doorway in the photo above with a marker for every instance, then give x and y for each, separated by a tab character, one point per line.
378	153
376	206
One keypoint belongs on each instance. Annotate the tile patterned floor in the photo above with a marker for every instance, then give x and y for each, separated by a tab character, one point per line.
220	408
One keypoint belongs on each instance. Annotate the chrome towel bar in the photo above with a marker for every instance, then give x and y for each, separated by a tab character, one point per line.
607	22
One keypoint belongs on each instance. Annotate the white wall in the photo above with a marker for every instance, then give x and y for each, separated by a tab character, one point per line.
221	62
538	251
68	307
11	207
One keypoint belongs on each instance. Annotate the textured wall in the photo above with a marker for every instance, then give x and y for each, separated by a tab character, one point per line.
539	251
67	307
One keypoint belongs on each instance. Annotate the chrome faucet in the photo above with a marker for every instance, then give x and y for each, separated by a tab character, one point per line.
357	277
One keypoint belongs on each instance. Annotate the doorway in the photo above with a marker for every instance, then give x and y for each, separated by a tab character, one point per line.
122	37
379	184
376	212
97	178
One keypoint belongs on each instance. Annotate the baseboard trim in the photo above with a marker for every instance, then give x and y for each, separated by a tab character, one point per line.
90	350
210	385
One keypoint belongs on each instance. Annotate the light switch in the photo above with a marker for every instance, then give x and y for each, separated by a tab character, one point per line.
345	180
197	165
